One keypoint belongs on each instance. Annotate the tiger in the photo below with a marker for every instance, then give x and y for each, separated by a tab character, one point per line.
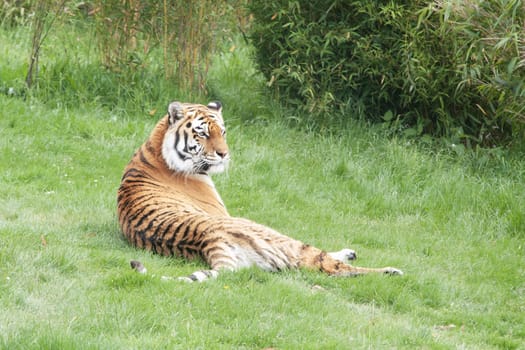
168	204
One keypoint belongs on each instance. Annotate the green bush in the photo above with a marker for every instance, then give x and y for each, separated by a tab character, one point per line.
122	48
449	68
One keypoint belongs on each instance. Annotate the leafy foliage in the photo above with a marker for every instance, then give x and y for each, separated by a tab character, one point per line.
449	68
129	30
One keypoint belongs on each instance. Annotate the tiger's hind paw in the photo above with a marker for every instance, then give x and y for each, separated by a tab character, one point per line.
344	255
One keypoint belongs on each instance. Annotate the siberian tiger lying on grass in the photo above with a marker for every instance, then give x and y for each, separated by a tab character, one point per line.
167	203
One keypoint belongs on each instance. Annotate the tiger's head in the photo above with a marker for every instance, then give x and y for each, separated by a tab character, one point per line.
195	141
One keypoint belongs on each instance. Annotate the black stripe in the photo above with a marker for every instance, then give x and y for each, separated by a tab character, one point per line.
320	258
206	242
189	252
135	202
171	242
150	148
177	140
199	220
183	156
140	181
184	239
168	228
160	219
144	218
216	254
144	160
249	240
133	171
185	149
138	234
272	258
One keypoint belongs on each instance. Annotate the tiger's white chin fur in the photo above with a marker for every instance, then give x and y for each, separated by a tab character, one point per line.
218	168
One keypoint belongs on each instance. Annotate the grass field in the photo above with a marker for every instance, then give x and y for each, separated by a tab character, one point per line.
453	221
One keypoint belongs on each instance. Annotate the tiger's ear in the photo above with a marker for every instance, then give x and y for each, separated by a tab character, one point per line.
175	112
216	105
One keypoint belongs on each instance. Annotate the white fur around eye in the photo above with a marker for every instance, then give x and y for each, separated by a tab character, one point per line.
201	128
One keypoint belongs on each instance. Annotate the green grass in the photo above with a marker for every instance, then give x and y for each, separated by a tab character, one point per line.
454	223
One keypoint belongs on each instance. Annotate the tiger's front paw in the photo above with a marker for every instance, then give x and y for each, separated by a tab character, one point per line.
199	276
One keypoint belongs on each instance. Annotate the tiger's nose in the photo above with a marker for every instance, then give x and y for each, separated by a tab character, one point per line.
222	154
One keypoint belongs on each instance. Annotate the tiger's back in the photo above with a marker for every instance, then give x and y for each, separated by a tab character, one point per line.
167	203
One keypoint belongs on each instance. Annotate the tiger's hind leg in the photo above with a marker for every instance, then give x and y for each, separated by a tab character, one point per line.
220	258
334	263
236	250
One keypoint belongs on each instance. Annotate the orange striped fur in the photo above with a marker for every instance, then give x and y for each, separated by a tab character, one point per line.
168	204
